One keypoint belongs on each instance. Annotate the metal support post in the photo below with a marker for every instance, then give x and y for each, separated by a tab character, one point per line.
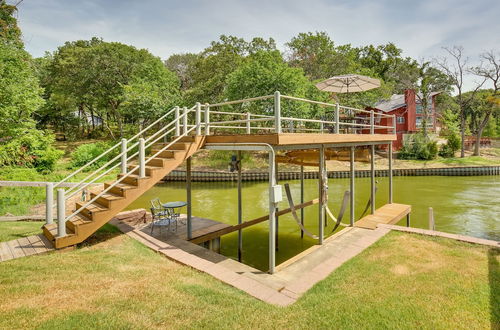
302	199
188	198
248	123
372	122
372	178
185	121
207	119
277	112
177	123
142	158
61	213
240	213
49	200
272	214
390	172
408	220
198	119
322	194
351	188
123	168
337	121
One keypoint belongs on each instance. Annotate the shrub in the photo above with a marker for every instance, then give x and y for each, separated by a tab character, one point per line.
87	152
453	145
32	148
419	147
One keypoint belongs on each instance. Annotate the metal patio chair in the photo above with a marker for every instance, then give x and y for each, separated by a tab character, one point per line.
160	219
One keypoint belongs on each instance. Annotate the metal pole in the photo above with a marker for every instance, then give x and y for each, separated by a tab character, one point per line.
123	167
408	220
351	189
185	121
198	119
393	124
272	214
321	193
188	197
240	214
321	127
277	112
390	173
142	158
431	219
177	124
301	198
372	122
277	224
49	199
337	116
372	178
207	119
61	213
248	123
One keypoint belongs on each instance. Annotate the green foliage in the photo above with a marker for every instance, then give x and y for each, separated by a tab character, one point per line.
87	152
9	31
417	146
452	145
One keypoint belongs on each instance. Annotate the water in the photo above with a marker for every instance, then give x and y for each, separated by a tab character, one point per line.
462	205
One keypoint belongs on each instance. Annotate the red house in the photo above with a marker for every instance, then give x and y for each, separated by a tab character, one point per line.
409	114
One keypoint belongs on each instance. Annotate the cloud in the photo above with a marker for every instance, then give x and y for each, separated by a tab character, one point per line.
420	28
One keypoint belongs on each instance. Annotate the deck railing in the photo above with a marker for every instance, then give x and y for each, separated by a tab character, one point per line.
215	120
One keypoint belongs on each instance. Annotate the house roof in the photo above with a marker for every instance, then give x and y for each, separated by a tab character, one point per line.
395	102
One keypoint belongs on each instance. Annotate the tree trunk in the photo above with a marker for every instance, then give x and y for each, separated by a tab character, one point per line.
479	133
462	135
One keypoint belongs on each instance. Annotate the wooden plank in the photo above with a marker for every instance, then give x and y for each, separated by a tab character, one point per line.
48	244
25	245
5	252
23	218
17	251
248	223
387	214
37	244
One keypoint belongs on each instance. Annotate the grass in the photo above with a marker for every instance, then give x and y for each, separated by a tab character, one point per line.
16	229
402	281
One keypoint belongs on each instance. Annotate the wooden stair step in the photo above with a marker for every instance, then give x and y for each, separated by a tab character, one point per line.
131	179
50	231
119	188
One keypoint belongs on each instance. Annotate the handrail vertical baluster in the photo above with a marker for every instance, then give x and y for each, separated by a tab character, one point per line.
248	123
198	119
277	112
207	119
185	121
337	116
61	213
372	122
142	158
49	199
177	123
124	156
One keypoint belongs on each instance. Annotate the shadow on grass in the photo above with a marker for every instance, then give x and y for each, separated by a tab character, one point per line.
494	279
104	233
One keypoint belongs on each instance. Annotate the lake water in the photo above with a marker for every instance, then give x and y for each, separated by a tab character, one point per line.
462	205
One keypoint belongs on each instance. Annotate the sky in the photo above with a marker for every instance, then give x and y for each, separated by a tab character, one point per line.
420	28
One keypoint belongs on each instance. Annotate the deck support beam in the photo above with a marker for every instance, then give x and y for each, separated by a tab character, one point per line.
188	198
390	172
301	199
372	178
322	194
272	213
277	225
351	187
240	215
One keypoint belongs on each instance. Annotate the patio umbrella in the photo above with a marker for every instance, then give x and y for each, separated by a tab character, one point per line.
348	83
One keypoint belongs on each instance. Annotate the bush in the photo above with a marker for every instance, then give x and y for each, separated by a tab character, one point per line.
32	148
87	152
453	145
419	147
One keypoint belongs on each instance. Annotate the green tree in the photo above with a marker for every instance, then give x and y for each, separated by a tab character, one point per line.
182	66
9	31
216	62
264	73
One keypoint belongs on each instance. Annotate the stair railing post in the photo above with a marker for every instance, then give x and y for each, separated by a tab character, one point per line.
207	119
337	116
321	127
49	200
177	123
142	158
198	119
61	213
185	121
393	124
277	112
372	122
123	168
248	123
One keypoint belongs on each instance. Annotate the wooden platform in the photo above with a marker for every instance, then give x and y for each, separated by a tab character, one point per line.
25	246
387	214
285	139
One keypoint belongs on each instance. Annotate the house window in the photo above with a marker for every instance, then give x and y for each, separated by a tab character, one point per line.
420	109
400	120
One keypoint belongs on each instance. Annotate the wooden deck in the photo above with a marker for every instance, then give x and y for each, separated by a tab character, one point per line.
25	246
388	214
285	139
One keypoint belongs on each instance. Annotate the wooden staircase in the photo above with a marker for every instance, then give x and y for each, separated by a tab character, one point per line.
94	216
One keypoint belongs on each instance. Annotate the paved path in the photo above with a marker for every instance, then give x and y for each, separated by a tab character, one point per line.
25	246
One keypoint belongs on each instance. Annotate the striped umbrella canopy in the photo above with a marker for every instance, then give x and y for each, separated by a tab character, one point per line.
348	83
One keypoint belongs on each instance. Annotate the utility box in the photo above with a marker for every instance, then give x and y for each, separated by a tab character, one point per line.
276	194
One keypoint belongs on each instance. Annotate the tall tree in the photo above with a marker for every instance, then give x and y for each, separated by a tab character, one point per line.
457	72
489	70
182	66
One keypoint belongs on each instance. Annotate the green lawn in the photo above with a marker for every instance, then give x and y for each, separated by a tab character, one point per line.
403	281
12	230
